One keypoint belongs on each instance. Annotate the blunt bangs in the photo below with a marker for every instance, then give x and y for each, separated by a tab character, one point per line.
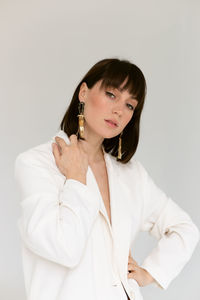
117	73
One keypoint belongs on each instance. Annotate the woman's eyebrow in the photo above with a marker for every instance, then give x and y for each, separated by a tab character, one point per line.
132	97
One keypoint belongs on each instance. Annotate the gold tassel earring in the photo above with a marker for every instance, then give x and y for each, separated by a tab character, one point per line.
119	156
81	120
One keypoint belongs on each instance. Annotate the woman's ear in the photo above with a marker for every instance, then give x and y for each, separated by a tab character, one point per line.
83	91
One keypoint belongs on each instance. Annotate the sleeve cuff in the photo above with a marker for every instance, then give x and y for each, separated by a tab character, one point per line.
160	281
81	196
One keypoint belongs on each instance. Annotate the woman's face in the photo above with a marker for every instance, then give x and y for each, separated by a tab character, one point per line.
106	104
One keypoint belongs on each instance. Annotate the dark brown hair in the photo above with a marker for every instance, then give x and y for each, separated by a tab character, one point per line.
112	72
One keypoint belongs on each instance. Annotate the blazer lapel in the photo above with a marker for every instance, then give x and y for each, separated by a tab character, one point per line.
120	229
121	219
120	215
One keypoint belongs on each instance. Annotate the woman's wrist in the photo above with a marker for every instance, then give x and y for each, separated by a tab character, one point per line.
149	278
77	177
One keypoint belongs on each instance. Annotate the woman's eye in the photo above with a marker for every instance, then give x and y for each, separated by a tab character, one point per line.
130	106
110	94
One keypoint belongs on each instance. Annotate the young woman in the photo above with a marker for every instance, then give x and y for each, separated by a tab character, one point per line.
85	198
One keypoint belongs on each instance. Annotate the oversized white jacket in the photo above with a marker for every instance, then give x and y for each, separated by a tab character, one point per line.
70	250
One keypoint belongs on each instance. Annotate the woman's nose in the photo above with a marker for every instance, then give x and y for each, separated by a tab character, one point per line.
118	108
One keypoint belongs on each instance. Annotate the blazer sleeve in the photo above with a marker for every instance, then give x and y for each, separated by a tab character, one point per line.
176	233
55	223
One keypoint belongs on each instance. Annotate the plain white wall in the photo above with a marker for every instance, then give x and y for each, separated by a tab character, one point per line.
46	48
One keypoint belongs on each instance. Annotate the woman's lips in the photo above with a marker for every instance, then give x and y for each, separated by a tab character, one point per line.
111	124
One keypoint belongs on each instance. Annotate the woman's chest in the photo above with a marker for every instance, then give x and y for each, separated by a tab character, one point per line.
101	177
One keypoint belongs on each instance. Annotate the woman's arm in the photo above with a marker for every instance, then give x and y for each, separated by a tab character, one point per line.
55	223
176	233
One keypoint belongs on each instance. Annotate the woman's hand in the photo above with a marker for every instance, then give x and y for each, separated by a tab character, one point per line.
141	275
70	159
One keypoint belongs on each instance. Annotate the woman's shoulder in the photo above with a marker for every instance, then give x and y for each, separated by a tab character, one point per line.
134	164
42	154
133	169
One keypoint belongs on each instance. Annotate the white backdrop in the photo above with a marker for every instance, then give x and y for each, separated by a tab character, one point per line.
46	48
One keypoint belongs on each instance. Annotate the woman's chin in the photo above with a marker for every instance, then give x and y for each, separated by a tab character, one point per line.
109	136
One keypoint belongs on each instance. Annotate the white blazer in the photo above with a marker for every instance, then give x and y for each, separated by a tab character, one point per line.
70	251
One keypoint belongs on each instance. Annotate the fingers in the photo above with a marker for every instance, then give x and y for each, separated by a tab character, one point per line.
56	152
132	267
58	147
131	271
132	275
61	143
73	139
